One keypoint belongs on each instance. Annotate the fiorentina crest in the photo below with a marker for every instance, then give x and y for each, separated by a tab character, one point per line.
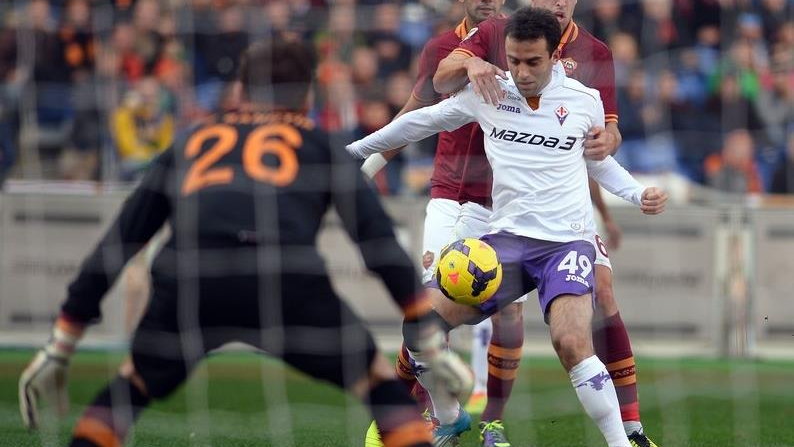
561	113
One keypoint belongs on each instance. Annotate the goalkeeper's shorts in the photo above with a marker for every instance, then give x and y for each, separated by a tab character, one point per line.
296	317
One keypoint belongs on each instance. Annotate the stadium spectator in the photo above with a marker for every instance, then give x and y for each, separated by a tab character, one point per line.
218	51
660	30
146	20
393	54
775	103
734	170
625	54
76	39
633	104
141	127
783	176
131	65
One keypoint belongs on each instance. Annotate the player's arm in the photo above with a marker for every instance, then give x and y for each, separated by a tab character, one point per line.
376	162
473	61
604	140
417	125
615	179
612	228
422	95
141	215
371	229
460	68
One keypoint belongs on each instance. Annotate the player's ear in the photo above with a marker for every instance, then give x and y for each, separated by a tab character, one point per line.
555	56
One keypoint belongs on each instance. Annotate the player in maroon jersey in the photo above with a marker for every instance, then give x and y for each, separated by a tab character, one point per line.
588	60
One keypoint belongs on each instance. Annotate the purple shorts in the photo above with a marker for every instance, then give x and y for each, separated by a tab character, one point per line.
554	268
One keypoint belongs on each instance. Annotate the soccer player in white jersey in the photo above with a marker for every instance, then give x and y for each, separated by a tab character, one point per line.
542	222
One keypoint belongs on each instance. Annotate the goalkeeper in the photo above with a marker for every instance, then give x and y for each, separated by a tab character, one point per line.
245	194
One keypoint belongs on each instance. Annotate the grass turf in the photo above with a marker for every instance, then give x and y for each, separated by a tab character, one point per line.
238	400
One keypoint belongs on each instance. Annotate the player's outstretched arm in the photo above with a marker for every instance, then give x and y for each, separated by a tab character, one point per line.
376	162
416	125
615	179
141	216
458	68
43	382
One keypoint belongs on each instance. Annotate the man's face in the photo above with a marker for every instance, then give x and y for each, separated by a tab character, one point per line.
562	9
479	10
530	64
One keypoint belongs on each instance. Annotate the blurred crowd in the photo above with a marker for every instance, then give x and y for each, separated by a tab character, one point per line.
93	89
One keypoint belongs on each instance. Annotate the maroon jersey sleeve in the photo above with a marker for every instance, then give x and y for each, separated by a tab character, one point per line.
428	63
603	79
484	41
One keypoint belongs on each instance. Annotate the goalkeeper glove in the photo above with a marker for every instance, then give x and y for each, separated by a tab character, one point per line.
45	377
451	373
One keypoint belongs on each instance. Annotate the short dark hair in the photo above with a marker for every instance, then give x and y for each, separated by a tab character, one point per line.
530	23
278	72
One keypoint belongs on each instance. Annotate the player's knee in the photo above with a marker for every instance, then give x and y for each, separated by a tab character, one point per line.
509	315
605	295
571	348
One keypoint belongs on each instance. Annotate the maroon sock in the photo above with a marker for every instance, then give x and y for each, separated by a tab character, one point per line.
405	372
504	355
612	346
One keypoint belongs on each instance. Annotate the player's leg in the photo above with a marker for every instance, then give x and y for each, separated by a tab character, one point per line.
504	356
439	230
569	318
480	339
473	223
325	339
564	273
446	408
157	366
496	345
613	346
114	410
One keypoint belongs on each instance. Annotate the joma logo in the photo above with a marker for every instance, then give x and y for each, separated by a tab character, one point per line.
507	108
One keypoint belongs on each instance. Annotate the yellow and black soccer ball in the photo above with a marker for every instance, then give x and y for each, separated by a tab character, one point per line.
469	271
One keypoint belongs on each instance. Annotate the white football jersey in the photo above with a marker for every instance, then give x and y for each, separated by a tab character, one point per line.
540	188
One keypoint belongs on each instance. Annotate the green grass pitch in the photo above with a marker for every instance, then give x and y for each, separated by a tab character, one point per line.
238	400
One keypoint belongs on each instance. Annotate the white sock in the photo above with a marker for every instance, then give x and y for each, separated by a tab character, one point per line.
481	338
445	405
631	426
596	392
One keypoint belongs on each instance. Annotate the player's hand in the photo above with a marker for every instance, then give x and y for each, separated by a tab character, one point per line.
599	143
482	76
653	200
614	234
44	380
452	373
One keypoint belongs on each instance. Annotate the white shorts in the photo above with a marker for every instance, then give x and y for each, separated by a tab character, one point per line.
440	218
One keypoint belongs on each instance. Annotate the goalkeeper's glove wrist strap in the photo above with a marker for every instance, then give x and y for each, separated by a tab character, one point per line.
64	338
